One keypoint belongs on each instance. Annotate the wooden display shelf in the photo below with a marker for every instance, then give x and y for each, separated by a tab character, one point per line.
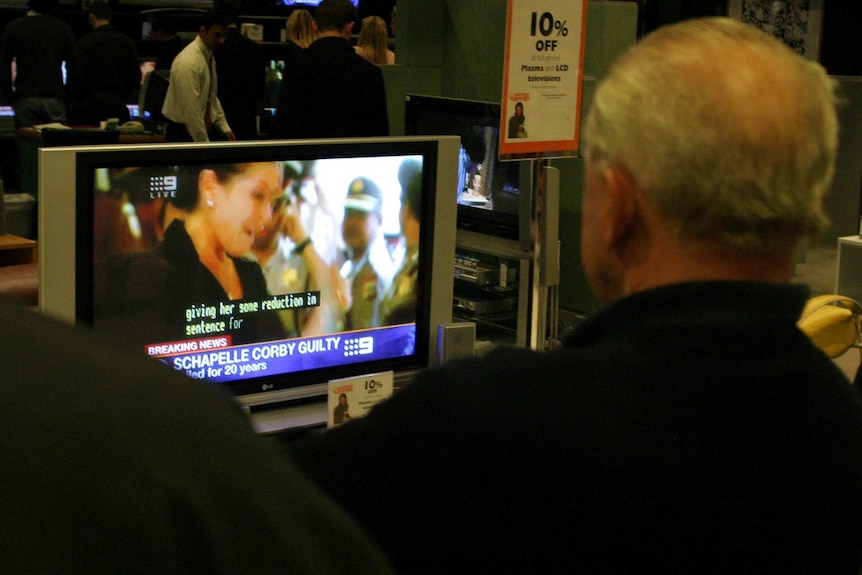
15	250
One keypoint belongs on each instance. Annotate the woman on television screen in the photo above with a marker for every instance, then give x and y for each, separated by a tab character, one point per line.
227	206
198	282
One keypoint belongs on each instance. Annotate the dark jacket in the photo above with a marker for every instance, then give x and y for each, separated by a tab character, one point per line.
241	74
331	92
685	429
109	62
150	293
39	44
111	74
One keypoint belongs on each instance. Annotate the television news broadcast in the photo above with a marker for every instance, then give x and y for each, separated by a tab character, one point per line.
232	271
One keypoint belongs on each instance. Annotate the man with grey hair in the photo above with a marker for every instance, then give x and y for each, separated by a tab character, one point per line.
687	427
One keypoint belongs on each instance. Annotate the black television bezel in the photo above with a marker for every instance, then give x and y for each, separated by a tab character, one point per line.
506	225
87	161
304	5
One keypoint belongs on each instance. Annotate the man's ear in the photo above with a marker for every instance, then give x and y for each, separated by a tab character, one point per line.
348	29
624	205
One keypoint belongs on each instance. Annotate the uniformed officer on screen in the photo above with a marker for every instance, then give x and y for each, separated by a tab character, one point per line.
368	268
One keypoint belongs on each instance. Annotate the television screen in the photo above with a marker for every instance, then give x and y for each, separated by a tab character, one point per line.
153	4
490	193
267	267
305	3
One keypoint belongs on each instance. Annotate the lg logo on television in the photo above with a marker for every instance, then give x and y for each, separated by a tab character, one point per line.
358	346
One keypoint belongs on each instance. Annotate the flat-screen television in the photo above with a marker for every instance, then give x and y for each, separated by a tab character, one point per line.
188	252
198	4
305	3
493	196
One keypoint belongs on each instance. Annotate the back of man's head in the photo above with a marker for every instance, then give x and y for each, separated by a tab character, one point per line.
215	18
730	135
100	10
334	15
164	23
42	6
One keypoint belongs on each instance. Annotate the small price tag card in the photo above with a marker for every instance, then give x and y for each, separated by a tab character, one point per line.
353	397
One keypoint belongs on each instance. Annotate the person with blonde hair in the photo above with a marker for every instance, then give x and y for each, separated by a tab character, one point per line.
300	28
373	43
688	426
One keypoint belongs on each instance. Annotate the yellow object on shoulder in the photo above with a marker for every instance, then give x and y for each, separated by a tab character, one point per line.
831	322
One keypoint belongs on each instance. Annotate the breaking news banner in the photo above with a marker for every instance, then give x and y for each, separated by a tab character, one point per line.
542	78
215	359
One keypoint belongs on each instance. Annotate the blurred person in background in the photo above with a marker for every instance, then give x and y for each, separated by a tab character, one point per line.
42	47
192	103
300	28
373	44
111	71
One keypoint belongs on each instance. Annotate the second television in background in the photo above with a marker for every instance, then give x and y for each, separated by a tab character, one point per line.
492	196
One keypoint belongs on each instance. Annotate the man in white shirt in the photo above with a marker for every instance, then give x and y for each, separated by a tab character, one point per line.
191	103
